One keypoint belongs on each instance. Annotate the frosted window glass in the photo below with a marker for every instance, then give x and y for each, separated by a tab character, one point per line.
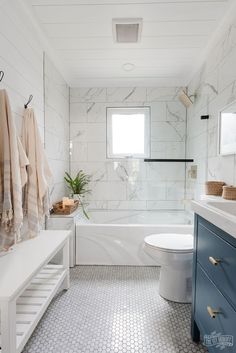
128	132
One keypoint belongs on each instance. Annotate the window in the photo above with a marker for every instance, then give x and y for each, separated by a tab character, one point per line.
128	132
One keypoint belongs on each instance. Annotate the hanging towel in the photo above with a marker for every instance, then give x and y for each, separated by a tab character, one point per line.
13	163
36	192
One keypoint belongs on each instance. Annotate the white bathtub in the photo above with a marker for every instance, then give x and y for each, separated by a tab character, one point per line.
116	237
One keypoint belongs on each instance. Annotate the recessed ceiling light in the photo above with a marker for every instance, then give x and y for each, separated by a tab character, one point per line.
127	30
128	66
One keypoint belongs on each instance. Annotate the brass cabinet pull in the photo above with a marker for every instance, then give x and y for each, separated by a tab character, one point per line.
214	261
212	312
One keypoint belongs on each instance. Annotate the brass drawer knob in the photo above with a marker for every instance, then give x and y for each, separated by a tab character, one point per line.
212	312
214	261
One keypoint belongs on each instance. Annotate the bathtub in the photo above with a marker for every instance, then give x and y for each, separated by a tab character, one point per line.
116	237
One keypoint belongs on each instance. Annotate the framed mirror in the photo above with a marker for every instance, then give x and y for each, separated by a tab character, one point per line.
227	130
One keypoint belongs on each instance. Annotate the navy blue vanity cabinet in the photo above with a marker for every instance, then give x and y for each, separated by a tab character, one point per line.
214	287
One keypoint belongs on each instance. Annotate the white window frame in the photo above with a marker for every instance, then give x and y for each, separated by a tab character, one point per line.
147	133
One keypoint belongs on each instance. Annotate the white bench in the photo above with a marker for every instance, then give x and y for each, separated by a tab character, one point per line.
28	282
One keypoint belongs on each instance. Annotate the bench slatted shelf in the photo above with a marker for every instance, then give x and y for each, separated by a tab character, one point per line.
28	282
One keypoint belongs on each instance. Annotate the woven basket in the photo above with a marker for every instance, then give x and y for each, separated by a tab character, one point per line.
214	188
229	192
68	209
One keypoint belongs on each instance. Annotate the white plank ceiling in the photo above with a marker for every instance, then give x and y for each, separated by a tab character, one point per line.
174	35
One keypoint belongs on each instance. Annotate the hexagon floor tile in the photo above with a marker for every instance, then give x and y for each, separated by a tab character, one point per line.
113	309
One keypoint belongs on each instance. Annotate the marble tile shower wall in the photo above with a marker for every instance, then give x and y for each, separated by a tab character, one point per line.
129	184
215	88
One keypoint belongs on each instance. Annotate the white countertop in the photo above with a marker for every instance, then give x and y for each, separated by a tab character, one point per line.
17	267
221	219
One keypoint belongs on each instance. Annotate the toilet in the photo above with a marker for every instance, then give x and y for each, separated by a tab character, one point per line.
174	253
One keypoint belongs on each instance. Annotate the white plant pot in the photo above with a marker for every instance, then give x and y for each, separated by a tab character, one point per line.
77	197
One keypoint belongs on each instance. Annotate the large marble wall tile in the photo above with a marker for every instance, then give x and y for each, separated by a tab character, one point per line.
175	190
97	151
97	170
165	171
107	191
196	126
156	190
78	132
79	152
152	190
227	73
175	111
123	95
58	168
88	95
94	132
126	170
229	41
54	119
213	141
167	149
168	131
222	168
162	94
117	170
158	111
56	147
96	112
78	112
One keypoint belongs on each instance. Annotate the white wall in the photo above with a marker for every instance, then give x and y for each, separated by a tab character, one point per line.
129	184
21	58
56	127
215	87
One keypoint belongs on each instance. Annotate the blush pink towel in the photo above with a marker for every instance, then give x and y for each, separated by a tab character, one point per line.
13	176
36	193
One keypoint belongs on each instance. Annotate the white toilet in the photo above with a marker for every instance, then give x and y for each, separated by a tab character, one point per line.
174	253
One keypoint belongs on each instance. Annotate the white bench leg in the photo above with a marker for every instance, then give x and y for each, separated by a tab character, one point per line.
66	263
8	327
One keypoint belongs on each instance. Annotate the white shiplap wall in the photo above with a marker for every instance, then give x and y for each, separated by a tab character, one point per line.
21	58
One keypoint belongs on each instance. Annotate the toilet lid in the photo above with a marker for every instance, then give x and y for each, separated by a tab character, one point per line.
171	242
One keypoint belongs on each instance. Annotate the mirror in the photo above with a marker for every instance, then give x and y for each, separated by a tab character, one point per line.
227	130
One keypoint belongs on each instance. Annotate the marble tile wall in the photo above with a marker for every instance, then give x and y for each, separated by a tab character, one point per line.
56	126
215	88
129	184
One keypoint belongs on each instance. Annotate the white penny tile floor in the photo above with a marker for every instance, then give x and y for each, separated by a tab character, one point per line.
113	309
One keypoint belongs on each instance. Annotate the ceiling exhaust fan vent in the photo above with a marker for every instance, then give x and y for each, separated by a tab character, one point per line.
127	30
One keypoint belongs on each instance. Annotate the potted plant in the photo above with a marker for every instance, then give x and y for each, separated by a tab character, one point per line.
79	186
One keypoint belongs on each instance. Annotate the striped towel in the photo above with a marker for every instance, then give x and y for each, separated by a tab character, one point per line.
13	176
36	191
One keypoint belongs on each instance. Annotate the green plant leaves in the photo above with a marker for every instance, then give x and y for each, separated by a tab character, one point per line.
79	184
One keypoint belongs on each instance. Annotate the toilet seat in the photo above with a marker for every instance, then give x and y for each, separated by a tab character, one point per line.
170	242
